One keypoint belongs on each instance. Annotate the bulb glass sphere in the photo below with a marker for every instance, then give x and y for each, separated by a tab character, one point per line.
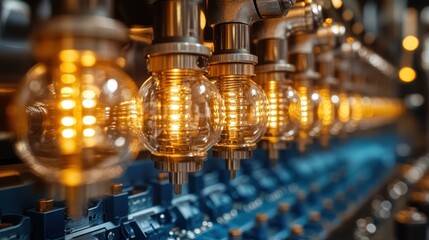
76	119
182	114
324	114
246	113
306	96
357	112
342	111
284	115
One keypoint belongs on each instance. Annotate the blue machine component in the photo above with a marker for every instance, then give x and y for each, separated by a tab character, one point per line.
322	183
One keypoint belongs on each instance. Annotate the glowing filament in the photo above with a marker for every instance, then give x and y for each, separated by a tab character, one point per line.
89	120
344	108
325	110
68	133
68	104
68	121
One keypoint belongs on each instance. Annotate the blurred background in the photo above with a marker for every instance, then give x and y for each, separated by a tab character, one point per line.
397	30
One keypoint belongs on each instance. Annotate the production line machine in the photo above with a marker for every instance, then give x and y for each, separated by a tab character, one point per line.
258	120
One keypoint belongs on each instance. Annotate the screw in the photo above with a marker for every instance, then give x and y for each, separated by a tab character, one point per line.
116	188
46	205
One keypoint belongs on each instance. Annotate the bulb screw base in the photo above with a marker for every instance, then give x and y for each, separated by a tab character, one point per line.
233	165
178	168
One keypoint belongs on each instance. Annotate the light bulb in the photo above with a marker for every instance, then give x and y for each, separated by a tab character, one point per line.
356	104
303	88
342	112
368	106
246	116
88	131
284	114
232	68
182	109
182	120
324	114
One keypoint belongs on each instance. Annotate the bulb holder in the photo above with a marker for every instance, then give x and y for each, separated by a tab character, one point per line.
178	167
102	35
233	152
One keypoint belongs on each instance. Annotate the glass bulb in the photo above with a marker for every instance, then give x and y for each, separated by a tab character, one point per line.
246	116
324	114
303	88
182	120
356	112
284	115
368	112
342	112
87	132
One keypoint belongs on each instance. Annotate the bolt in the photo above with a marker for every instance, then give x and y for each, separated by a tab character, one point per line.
284	207
162	176
261	218
46	205
110	236
116	188
235	234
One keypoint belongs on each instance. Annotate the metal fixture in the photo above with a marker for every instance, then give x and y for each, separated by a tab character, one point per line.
232	68
272	74
302	56
182	109
327	107
87	132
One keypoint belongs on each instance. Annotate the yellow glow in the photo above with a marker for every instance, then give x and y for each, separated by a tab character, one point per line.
325	111
174	107
202	20
67	91
175	117
357	108
344	108
88	103
407	74
368	107
68	67
69	55
337	3
88	59
88	93
306	115
273	121
175	127
410	43
88	78
68	121
71	177
328	20
89	132
68	133
68	78
89	120
68	104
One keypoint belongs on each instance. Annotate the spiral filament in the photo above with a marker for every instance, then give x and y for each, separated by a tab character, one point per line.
357	112
182	120
284	115
88	129
307	117
325	114
246	111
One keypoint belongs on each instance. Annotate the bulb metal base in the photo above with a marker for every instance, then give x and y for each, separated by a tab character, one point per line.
178	168
96	33
233	156
228	152
273	148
